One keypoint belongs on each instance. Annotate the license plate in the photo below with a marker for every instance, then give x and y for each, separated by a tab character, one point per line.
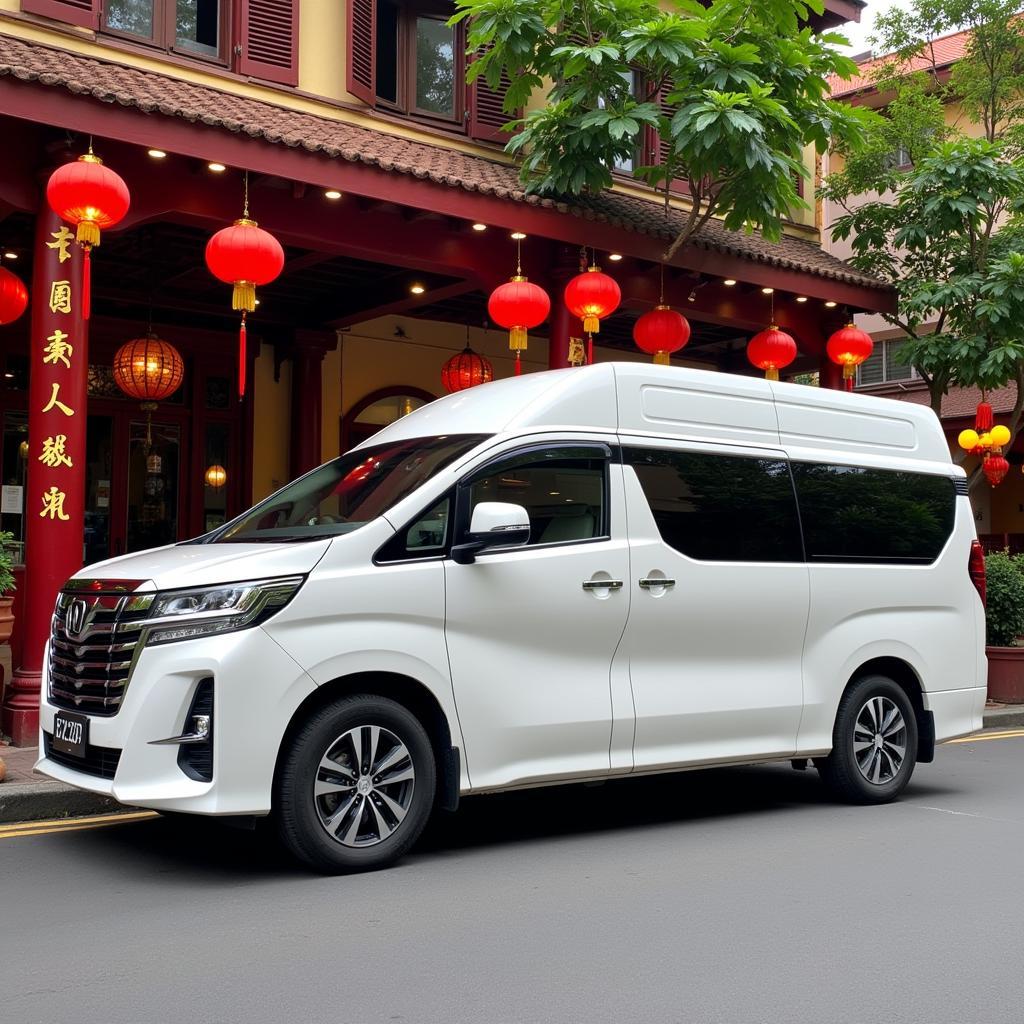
70	733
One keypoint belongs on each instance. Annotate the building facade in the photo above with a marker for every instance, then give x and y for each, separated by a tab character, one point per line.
351	130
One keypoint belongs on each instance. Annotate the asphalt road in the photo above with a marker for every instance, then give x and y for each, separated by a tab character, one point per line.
737	895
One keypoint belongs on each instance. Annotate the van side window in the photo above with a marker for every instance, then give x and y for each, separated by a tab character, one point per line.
720	508
562	490
853	514
425	537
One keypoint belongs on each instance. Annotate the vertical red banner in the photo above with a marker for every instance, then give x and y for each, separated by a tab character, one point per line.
55	484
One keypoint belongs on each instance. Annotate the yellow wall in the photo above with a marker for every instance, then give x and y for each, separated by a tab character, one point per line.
271	425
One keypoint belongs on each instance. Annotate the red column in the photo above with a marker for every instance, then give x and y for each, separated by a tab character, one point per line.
830	375
55	484
308	351
562	325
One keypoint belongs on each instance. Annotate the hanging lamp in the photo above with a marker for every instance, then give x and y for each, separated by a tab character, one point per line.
662	330
592	296
518	305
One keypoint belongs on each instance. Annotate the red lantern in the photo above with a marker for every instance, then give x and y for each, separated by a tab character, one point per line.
661	332
518	306
148	369
13	296
849	347
983	419
245	256
466	370
92	197
771	350
592	296
995	467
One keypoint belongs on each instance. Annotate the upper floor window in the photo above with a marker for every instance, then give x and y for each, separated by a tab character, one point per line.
885	364
195	27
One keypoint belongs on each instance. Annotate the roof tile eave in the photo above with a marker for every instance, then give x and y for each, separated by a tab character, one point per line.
150	91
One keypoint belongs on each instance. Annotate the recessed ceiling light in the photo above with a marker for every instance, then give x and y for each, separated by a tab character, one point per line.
479	227
332	193
9	376
830	304
729	282
216	167
518	236
10	255
767	291
801	298
157	154
417	289
257	302
615	256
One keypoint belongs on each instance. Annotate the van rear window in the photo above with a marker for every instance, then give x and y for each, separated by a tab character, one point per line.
854	514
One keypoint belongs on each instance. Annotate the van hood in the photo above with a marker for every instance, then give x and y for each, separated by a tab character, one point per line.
201	565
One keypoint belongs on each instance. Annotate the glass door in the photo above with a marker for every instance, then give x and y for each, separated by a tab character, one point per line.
154	462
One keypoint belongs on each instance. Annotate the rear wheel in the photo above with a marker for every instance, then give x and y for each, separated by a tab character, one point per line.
357	785
874	743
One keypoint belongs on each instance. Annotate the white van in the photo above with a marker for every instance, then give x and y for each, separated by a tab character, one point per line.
569	576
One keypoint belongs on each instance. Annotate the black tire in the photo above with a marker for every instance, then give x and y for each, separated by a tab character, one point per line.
860	770
303	818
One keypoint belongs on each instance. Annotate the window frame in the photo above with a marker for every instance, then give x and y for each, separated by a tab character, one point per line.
165	36
409	11
882	347
609	453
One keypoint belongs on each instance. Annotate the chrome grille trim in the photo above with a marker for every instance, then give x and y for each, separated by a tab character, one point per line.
89	670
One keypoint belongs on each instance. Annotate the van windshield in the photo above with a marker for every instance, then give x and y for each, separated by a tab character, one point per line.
345	494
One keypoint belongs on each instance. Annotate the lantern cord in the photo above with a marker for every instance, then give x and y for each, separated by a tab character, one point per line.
245	195
661	290
241	358
86	281
90	146
519	264
519	365
590	350
771	306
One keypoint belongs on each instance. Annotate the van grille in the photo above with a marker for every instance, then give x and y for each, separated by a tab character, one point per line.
93	646
99	761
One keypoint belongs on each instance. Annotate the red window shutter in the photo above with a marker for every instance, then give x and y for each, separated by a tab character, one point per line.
361	78
85	13
486	115
270	40
659	148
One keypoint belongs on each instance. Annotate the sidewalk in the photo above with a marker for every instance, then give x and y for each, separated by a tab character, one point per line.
28	796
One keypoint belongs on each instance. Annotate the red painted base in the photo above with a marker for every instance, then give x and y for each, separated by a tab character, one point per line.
20	718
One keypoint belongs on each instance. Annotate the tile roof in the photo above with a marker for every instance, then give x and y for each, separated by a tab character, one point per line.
945	50
960	403
161	94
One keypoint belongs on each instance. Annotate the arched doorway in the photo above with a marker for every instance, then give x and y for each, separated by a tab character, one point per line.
377	410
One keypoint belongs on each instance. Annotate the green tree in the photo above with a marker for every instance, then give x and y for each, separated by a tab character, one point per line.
943	222
732	89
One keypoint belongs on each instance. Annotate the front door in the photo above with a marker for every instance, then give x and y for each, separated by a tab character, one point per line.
719	605
532	630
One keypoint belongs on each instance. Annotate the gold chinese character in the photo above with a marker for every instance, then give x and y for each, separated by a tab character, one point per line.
58	350
63	237
53	505
55	401
60	297
54	453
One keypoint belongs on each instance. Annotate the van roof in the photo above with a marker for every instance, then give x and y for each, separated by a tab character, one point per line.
674	401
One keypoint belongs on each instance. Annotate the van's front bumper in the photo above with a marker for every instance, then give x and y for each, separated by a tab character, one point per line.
257	689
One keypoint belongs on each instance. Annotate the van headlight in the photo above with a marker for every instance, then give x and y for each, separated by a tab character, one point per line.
184	614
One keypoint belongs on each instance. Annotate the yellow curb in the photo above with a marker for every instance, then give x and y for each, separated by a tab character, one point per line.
34	828
1005	734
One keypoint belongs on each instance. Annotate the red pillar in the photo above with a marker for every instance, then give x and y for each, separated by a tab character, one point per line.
55	484
562	324
830	375
308	351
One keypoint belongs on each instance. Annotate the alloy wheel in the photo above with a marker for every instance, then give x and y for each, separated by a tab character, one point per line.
880	740
364	786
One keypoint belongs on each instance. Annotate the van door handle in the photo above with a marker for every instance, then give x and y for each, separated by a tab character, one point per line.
656	581
602	584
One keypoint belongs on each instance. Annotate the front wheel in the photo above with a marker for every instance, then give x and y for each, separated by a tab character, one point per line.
356	786
874	743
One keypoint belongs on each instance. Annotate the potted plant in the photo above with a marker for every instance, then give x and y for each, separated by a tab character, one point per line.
6	588
1004	622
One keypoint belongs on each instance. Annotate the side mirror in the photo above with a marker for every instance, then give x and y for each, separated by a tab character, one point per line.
494	524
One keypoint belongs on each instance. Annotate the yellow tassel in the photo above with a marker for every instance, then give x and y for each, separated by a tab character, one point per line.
591	324
87	233
849	372
661	358
517	339
771	374
243	296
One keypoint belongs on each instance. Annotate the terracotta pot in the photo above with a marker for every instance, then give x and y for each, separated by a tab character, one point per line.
6	619
1006	674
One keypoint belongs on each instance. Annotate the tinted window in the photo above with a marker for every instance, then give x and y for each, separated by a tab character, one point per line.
721	508
425	537
851	514
562	490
